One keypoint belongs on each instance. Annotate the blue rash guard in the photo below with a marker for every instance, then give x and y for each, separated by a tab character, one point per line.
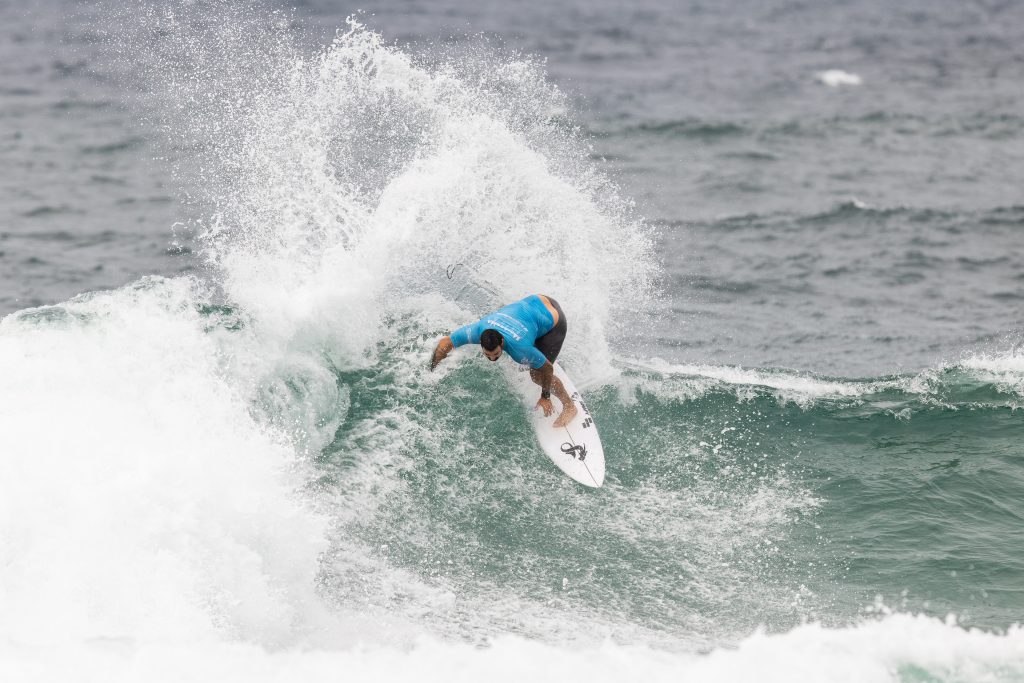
519	323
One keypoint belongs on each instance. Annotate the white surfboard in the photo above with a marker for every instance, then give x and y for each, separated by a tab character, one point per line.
575	448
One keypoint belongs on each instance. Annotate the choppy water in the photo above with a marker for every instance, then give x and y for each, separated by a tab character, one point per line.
788	241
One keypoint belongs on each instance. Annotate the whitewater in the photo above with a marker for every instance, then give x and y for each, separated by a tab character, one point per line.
248	473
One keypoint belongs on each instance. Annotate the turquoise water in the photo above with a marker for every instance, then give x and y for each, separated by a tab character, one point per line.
769	498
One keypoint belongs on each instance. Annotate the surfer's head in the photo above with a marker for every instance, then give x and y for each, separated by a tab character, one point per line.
491	341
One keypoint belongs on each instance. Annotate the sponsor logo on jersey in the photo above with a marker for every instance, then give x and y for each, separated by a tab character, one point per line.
506	324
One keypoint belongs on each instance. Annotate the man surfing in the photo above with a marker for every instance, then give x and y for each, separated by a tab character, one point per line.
531	332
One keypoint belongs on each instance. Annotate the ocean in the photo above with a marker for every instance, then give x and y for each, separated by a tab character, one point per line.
788	240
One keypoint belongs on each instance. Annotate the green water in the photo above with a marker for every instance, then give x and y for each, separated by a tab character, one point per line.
728	505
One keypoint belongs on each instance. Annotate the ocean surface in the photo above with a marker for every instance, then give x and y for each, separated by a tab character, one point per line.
789	240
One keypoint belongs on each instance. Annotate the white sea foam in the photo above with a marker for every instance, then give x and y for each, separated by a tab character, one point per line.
138	498
691	381
835	78
357	179
894	648
1005	371
696	380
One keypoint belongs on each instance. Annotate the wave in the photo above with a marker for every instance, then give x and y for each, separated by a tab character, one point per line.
257	472
982	124
205	517
140	497
979	380
853	210
215	456
895	648
226	497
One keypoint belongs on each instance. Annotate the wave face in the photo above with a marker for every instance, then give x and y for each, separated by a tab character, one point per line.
255	473
224	502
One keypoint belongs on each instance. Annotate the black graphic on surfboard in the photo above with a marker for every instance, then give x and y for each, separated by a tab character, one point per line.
575	447
578	451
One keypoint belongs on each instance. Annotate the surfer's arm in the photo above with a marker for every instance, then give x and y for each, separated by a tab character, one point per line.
467	334
547	371
441	351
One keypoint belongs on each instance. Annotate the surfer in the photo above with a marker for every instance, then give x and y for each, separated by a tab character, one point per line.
531	332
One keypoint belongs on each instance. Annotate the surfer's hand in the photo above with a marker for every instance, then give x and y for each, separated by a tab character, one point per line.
441	351
545	405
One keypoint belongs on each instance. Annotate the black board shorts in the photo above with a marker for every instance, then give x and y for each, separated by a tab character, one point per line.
551	343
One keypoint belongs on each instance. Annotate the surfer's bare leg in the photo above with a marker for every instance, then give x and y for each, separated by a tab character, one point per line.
558	389
568	407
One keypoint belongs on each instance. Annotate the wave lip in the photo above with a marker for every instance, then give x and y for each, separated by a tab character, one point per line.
800	388
992	380
1005	372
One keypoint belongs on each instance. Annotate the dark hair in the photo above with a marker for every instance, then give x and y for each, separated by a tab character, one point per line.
491	339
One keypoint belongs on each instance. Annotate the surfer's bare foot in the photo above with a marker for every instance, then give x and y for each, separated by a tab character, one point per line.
567	415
